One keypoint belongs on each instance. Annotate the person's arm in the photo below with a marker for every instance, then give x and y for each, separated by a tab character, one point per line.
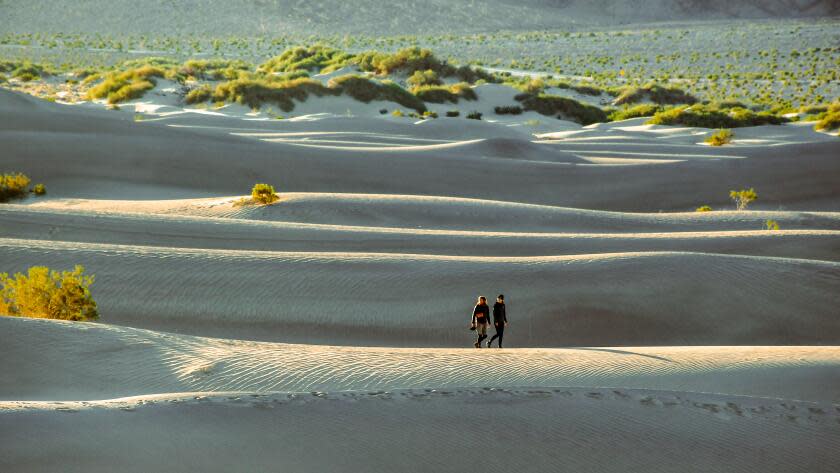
472	321
504	315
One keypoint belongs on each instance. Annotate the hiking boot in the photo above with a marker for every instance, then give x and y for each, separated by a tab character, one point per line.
477	344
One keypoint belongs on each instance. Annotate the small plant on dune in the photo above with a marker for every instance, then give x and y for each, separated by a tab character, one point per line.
13	186
743	197
562	107
383	111
443	94
129	85
638	111
704	208
198	95
421	78
656	94
830	119
43	293
264	194
474	115
720	137
3	79
39	189
771	225
453	113
397	113
430	114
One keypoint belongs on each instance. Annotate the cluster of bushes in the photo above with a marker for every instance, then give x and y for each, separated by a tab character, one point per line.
562	107
366	90
829	119
214	69
256	92
720	137
128	85
314	58
474	115
508	110
414	59
16	186
24	71
43	293
443	94
637	111
711	116
656	94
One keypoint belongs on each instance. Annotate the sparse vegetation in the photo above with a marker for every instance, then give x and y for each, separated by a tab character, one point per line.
709	116
264	194
474	115
253	93
443	94
366	90
638	111
771	225
314	58
13	186
830	119
508	110
453	113
720	138
198	95
704	208
656	94
43	293
39	189
743	197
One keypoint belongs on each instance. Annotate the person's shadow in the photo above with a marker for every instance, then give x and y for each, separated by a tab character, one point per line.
622	352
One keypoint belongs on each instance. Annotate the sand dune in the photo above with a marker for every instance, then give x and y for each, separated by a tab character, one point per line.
609	299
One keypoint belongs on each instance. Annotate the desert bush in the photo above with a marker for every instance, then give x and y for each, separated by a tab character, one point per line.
214	69
562	107
407	60
474	115
743	197
13	186
587	90
430	114
704	208
720	137
256	92
128	85
656	94
198	95
830	119
27	71
383	111
3	79
39	189
421	78
771	225
453	113
43	293
443	94
264	194
366	90
314	58
508	110
638	111
397	113
709	117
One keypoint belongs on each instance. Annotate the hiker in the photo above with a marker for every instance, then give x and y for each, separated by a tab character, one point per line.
480	320
499	320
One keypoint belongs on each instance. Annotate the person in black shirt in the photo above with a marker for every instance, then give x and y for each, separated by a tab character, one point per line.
480	320
499	320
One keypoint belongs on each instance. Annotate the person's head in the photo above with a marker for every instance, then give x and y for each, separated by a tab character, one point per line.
501	298
482	300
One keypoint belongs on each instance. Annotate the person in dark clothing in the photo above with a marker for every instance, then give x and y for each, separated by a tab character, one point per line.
480	320
499	320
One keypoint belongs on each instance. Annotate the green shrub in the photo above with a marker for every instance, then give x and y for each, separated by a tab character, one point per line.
704	208
13	186
256	92
443	94
199	95
129	85
720	137
39	189
453	113
314	58
366	90
264	194
771	225
508	110
48	294
430	114
3	79
587	90
743	197
421	78
27	71
656	94
562	107
397	113
708	117
214	69
638	111
474	115
830	119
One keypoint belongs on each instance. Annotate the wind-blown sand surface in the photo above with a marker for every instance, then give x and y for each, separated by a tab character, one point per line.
644	336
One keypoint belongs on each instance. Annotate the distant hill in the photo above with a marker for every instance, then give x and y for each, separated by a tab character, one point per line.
375	17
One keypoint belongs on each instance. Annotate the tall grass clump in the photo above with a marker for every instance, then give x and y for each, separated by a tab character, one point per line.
709	116
13	186
256	92
199	95
214	69
47	294
830	119
444	94
128	85
413	59
638	111
720	138
562	107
